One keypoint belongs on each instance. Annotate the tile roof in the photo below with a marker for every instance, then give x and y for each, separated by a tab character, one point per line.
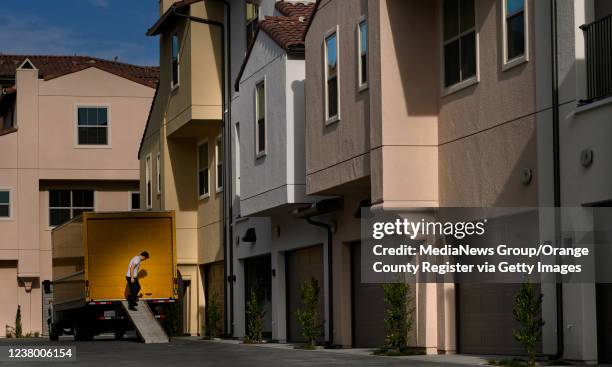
288	30
295	9
51	67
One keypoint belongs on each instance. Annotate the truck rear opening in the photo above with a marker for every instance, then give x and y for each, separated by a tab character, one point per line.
90	262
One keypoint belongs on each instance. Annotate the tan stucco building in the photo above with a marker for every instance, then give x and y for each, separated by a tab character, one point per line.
181	150
69	133
402	121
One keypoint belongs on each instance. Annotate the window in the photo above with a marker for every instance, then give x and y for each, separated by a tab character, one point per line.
459	23
67	204
5	204
260	121
148	178
158	172
331	77
7	110
134	200
175	61
362	32
203	174
252	21
514	30
92	125
219	149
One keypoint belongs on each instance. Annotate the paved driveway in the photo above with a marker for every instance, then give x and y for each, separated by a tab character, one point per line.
192	352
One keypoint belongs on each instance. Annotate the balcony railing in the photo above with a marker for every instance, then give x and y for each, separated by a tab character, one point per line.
598	44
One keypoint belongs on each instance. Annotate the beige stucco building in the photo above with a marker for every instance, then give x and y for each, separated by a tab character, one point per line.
403	121
69	132
181	150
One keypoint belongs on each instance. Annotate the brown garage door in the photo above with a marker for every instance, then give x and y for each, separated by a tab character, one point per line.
368	307
214	285
486	322
604	322
301	265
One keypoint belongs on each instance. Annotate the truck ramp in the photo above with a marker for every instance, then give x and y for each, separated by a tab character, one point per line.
147	327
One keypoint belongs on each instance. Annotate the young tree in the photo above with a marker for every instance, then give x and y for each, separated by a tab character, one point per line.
308	317
398	316
527	311
18	328
255	315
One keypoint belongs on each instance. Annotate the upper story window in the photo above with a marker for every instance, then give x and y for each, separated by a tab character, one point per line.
148	183
515	31
460	49
252	20
332	86
7	110
92	125
203	171
362	32
67	204
5	203
260	120
158	173
175	60
219	155
134	200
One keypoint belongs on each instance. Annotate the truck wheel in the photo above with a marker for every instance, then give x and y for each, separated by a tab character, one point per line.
81	333
53	333
119	335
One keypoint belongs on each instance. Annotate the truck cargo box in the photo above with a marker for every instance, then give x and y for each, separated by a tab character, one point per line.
91	254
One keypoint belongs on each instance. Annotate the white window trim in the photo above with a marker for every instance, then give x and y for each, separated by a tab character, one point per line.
445	91
10	191
217	140
130	193
174	86
264	152
158	173
108	144
206	195
148	178
509	64
335	30
361	85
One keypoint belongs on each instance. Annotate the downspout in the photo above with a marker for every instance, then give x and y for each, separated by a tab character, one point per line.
556	169
226	134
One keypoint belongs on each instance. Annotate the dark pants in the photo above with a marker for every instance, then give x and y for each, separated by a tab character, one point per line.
134	289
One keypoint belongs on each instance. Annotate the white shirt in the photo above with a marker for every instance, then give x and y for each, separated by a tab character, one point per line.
136	262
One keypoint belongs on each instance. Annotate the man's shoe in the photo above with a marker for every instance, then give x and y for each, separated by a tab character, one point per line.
132	308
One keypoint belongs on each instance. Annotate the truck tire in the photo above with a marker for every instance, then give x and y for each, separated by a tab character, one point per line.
82	333
119	335
54	333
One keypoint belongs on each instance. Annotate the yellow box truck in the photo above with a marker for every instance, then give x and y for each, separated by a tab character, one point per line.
91	254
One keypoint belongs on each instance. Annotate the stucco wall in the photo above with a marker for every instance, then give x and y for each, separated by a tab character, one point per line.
337	153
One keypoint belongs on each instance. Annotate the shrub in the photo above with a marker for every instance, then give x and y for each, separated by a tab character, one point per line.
254	315
308	317
527	311
213	317
398	316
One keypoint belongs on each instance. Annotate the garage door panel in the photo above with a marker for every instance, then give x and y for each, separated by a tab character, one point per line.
486	322
8	294
300	266
368	307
